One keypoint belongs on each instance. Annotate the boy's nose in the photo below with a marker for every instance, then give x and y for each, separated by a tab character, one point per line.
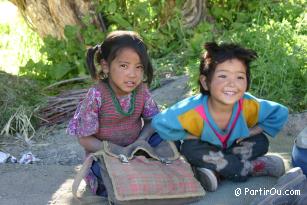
231	80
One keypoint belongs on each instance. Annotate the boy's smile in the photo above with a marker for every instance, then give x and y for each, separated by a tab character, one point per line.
229	82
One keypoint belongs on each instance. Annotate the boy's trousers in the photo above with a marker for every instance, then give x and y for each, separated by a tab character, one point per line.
232	163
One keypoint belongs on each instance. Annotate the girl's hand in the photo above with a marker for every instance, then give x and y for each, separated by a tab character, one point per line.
147	130
155	140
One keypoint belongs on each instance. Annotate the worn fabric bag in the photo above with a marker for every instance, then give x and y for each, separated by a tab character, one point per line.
161	177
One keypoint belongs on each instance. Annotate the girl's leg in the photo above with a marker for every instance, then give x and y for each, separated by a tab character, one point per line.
101	189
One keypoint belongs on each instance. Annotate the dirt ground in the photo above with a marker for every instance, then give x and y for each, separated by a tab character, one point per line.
49	180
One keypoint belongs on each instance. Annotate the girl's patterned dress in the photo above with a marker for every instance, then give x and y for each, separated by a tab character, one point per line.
86	120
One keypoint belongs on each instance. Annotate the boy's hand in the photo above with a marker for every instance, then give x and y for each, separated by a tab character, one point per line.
255	130
192	137
239	140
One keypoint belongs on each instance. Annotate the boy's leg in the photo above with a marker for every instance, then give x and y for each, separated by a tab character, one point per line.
252	151
250	148
204	155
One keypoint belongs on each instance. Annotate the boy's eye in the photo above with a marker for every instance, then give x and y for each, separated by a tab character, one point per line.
241	78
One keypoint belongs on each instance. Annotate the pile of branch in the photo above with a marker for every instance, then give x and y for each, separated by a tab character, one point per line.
60	108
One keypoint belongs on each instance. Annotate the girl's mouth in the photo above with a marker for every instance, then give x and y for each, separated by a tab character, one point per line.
130	83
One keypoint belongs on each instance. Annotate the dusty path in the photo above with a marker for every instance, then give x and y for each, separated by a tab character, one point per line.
49	180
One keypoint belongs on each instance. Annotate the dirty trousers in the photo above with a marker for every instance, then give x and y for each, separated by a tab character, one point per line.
231	163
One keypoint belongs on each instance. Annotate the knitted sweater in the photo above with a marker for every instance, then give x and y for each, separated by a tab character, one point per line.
192	116
114	125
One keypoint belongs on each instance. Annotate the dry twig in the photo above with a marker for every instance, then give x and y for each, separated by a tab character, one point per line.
20	124
60	108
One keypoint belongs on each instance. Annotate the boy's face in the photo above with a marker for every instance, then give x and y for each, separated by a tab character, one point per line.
228	83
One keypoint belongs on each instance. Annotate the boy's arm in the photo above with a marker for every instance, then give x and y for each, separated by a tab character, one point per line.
192	137
255	130
252	131
272	117
267	115
168	127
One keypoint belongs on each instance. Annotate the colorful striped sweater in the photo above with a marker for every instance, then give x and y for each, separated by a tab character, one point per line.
114	126
192	116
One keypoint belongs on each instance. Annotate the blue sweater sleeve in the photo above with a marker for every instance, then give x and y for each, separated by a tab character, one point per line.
272	116
167	125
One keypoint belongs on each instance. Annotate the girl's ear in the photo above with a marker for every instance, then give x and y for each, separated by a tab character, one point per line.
203	82
104	66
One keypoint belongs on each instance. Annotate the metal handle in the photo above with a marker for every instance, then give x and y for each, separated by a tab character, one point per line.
123	159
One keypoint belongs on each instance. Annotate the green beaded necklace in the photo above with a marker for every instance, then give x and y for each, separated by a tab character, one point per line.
117	105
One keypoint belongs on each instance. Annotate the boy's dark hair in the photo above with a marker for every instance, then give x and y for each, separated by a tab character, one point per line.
216	54
109	49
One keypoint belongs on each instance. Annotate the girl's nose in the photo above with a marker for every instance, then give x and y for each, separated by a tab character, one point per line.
132	72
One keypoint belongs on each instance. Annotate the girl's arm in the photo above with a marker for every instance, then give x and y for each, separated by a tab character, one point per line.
90	144
147	130
85	122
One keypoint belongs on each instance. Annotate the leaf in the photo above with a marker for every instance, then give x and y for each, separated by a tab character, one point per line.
60	70
121	21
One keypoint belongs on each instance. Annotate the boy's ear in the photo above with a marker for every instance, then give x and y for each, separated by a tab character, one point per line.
203	82
104	66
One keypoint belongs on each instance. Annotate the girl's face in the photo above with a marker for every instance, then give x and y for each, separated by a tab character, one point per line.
125	72
228	82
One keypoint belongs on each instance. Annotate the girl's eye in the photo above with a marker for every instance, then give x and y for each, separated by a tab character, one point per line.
241	78
124	66
140	67
222	76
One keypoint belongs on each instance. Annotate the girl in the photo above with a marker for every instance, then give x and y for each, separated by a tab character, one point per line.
119	107
223	127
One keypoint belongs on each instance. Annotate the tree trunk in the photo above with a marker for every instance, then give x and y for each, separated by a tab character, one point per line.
195	11
49	17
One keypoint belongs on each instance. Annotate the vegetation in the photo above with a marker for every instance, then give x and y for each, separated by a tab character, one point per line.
275	29
19	98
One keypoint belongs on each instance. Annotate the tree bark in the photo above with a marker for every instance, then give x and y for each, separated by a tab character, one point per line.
195	11
49	17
